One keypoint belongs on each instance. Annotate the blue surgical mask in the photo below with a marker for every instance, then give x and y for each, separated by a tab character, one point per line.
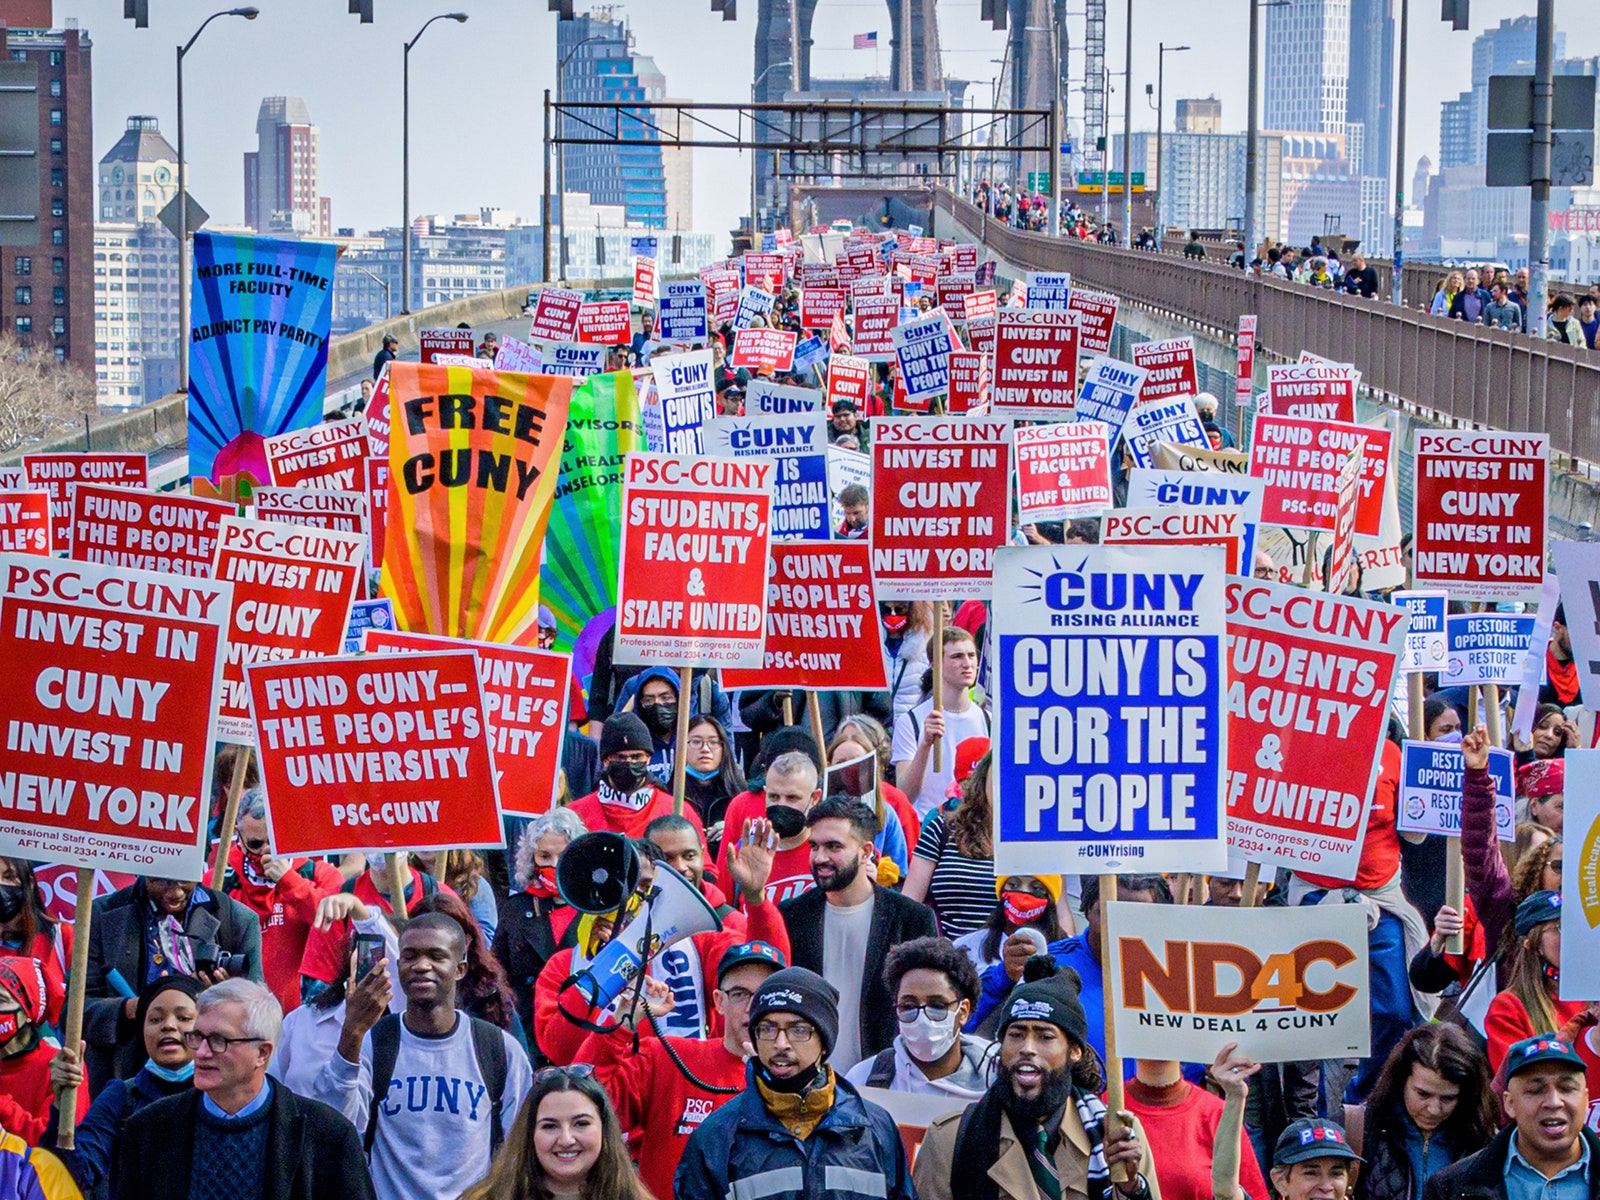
171	1074
702	775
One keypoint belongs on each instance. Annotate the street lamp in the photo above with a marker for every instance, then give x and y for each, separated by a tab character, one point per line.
249	14
755	218
405	158
388	305
561	148
1253	128
1161	92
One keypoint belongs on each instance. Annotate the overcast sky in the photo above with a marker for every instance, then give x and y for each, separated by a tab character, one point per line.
477	89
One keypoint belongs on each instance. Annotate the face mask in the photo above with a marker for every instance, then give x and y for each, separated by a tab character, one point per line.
696	773
1023	907
895	622
12	898
786	822
543	884
659	718
171	1074
626	777
928	1041
9	1024
1453	738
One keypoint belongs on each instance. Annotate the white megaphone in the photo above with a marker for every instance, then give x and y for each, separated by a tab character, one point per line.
674	910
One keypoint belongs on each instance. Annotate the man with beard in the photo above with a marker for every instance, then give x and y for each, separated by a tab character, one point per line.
798	1129
845	927
1039	1132
627	798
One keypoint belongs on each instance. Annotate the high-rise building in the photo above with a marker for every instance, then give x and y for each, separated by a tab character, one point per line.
601	65
1202	179
139	175
282	179
1308	67
1371	87
677	166
1198	116
46	182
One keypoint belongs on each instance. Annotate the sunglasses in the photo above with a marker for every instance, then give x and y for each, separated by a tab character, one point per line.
576	1071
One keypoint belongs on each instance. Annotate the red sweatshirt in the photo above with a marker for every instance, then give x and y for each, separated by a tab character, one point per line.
25	1080
286	911
630	822
1506	1023
791	869
652	1096
1182	1121
327	949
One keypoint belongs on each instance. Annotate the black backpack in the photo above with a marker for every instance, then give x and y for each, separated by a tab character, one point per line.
488	1044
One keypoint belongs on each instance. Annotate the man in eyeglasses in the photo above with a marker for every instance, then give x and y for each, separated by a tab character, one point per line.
238	1135
798	1129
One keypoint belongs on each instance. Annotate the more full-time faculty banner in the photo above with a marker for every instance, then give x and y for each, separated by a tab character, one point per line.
1109	728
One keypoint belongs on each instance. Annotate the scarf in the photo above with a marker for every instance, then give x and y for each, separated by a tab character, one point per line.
1563	677
978	1146
799	1112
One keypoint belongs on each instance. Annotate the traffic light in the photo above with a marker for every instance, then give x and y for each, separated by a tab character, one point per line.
137	11
363	9
730	10
563	7
1455	11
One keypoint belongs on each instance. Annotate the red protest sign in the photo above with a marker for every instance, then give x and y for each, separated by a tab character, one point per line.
149	531
817	275
379	751
875	319
1097	319
980	306
25	522
820	305
110	706
763	349
555	316
1178	527
58	885
1171	367
433	342
838	335
689	589
1063	471
326	456
849	379
377	504
964	256
293	587
525	702
981	332
1036	364
969	380
316	508
644	281
1481	513
1314	390
952	292
1299	462
940	504
56	473
1343	551
1309	676
377	416
822	617
860	262
1244	369
764	270
604	323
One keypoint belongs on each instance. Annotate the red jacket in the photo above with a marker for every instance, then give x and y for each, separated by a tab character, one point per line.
327	949
286	911
560	1038
631	822
25	1080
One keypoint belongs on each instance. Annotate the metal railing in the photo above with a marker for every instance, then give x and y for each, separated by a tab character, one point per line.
1450	370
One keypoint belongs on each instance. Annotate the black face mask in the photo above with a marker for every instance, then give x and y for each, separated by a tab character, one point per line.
659	718
12	898
786	822
626	777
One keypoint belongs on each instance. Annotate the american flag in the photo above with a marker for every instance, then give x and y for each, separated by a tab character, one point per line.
866	41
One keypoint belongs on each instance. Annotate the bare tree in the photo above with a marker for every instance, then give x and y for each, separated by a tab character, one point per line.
39	395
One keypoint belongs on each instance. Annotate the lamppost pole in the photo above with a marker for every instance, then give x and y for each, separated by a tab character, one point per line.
755	200
405	157
1162	50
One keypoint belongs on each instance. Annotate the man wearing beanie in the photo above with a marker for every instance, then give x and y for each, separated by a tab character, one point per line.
1039	1132
627	798
797	1129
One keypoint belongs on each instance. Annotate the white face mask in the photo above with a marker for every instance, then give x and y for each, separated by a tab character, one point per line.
928	1041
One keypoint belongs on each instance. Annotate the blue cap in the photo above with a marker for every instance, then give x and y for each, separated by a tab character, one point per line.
750	952
1310	1138
1535	911
1544	1048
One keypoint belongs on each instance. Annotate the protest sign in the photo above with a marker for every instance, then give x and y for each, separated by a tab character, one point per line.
381	751
325	456
1341	555
809	353
688	400
969	381
318	508
1431	776
763	349
1244	368
1300	461
1108	393
472	472
1152	487
431	343
980	306
754	305
1580	878
1179	527
555	316
55	474
873	335
1171	366
1577	565
940	504
525	704
149	531
913	1112
763	398
1426	645
849	378
690	591
471	361
981	333
58	886
13	479
377	495
764	270
1063	471
1315	391
1051	291
1286	984
683	312
797	444
25	522
1485	647
1108	732
1097	319
819	306
822	614
646	245
644	281
817	274
258	349
111	711
1169	456
1480	513
604	323
1383	564
1019	295
951	292
1173	419
573	359
515	355
377	415
846	467
922	352
366	615
1036	365
1309	681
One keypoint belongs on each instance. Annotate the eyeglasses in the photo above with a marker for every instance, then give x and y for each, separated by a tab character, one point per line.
215	1042
701	743
575	1071
738	995
798	1034
936	1012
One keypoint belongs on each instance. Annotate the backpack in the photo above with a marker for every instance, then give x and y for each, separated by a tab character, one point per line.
488	1045
882	1073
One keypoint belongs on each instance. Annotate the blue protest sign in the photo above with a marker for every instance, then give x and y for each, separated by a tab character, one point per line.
1485	648
811	352
763	398
1431	775
923	348
1165	419
1110	731
365	615
682	311
1107	394
644	246
753	303
1050	290
688	399
1426	645
1149	487
799	445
